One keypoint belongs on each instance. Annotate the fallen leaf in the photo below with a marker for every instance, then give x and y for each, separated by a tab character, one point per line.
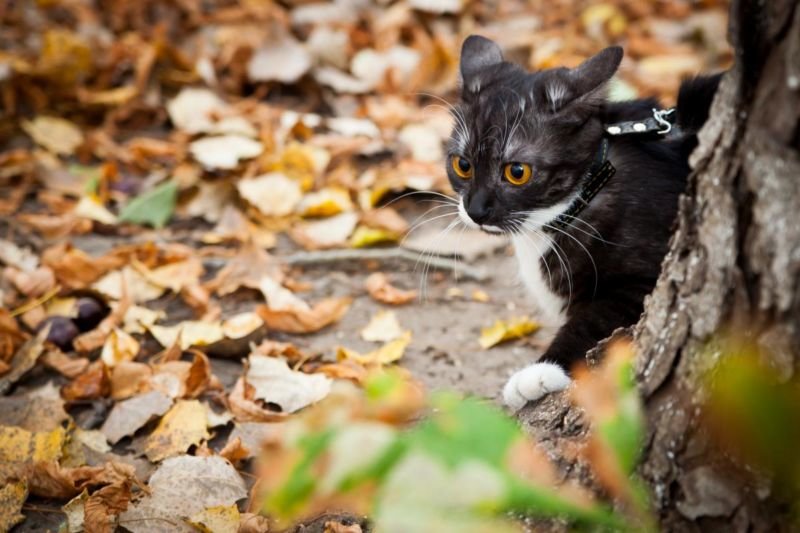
246	410
127	416
20	448
129	378
137	319
380	289
65	365
382	327
385	218
325	233
234	451
195	109
364	237
92	208
92	384
119	346
39	410
274	382
325	203
24	359
74	509
173	276
241	325
247	268
253	523
273	194
104	505
389	353
57	135
154	207
283	59
218	519
224	151
183	426
139	289
323	314
190	333
480	296
279	298
13	255
504	330
12	496
184	486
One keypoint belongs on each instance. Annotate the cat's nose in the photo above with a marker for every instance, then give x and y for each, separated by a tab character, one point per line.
479	208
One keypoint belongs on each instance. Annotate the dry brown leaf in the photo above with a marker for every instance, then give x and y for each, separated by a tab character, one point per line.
67	366
104	505
253	523
380	289
234	451
246	410
183	426
129	378
75	269
31	284
91	340
24	359
91	385
323	314
58	135
119	347
11	337
246	269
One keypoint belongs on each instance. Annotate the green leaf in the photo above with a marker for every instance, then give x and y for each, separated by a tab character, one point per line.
461	429
155	207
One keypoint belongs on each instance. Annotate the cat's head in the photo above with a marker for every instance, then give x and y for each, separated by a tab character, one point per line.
521	141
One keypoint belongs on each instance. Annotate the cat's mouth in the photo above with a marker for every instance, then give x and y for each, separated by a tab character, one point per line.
494	230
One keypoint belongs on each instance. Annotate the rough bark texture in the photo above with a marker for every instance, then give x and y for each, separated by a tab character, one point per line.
734	262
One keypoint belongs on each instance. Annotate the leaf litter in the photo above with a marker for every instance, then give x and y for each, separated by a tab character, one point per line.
140	197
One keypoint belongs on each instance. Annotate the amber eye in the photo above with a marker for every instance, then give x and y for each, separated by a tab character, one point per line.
461	167
518	173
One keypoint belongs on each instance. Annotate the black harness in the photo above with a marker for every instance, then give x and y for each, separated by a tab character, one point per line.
601	170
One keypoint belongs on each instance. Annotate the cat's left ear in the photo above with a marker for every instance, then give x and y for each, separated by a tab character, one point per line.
477	53
563	88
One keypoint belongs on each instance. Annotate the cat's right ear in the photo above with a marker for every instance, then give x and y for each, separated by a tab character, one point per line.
477	53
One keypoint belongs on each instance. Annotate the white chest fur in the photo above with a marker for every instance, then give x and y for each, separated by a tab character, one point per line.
529	249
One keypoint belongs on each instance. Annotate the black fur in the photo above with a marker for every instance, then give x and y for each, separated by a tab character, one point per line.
560	116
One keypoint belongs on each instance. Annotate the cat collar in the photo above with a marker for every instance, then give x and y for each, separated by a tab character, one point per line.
595	177
661	123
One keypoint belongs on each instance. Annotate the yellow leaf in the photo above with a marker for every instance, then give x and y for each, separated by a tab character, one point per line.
389	353
364	237
183	426
57	135
325	202
12	496
20	446
505	330
219	519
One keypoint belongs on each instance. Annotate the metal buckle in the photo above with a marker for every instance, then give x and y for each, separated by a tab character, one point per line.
660	116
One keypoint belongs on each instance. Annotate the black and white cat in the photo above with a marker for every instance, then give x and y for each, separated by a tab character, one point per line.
589	214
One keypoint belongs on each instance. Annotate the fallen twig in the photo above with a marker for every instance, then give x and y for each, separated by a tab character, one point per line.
385	254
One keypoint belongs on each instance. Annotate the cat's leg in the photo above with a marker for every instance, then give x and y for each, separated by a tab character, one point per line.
588	323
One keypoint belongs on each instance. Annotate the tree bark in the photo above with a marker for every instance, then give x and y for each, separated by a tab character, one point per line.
734	262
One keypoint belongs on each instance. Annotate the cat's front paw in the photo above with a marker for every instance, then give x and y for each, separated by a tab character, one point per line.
533	382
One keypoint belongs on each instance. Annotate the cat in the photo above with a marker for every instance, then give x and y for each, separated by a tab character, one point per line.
523	148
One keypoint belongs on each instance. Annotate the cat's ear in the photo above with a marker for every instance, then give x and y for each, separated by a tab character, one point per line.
596	70
477	53
567	85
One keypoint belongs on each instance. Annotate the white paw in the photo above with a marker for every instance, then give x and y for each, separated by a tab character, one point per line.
533	382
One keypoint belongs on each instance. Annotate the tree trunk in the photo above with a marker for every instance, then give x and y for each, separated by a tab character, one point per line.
734	261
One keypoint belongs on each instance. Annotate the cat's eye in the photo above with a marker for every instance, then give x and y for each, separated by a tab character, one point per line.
518	173
462	167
